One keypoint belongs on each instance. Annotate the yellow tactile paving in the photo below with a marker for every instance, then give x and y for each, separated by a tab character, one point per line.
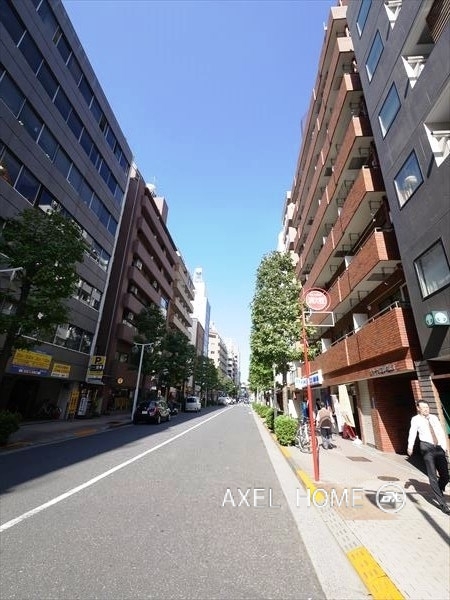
373	576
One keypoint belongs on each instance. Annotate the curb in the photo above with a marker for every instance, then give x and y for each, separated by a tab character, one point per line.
85	432
377	582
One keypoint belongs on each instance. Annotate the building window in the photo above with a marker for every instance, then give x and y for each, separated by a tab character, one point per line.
408	179
389	110
433	271
374	56
362	15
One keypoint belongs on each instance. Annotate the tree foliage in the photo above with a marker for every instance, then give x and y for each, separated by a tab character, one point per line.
44	248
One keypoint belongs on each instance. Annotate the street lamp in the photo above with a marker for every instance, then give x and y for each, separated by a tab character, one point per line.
136	391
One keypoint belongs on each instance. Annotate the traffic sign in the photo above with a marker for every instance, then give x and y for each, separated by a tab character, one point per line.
317	299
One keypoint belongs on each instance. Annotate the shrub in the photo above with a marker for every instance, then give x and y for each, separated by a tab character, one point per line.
285	429
9	423
269	418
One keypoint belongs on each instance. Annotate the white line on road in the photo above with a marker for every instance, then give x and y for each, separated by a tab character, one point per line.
87	484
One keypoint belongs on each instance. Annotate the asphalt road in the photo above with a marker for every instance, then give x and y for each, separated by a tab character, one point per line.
188	509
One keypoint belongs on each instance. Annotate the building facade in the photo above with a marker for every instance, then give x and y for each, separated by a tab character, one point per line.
338	225
217	351
402	49
61	148
143	273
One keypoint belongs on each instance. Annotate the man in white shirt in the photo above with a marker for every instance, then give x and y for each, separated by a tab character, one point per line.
433	446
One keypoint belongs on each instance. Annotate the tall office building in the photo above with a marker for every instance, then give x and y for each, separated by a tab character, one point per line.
61	148
201	314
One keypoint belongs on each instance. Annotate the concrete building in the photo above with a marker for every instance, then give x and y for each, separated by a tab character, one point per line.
217	351
337	224
201	314
181	307
402	49
60	147
233	362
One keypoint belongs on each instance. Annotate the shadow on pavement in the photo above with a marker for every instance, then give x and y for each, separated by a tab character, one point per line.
38	460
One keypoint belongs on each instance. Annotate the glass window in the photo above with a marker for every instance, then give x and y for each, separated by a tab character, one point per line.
86	90
74	68
96	110
64	48
104	171
86	192
374	55
12	167
62	163
48	143
389	110
124	163
62	104
95	156
104	215
11	95
47	80
112	225
75	124
11	22
31	52
86	142
27	185
118	195
48	17
408	179
112	183
103	123
86	342
96	205
111	138
433	271
75	178
30	121
362	15
46	201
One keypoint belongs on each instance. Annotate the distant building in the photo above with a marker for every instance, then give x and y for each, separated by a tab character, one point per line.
201	314
233	361
217	351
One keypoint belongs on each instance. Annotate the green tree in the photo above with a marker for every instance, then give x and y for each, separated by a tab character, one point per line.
44	248
276	319
205	374
177	358
151	329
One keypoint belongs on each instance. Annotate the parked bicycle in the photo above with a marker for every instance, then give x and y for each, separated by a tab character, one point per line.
303	438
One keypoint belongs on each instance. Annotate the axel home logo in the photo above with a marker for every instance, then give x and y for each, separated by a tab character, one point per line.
390	498
251	497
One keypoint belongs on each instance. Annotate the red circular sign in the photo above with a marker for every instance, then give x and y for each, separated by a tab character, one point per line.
317	299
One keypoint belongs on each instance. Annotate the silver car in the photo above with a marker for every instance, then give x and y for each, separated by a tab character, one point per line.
193	404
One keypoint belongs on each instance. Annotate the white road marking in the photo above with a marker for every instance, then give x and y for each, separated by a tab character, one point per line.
79	488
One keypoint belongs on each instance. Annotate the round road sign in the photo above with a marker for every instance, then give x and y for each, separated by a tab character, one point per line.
317	299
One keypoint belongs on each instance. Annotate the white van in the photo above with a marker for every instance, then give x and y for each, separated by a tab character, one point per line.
193	404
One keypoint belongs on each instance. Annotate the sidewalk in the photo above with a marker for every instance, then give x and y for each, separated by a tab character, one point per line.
33	433
404	554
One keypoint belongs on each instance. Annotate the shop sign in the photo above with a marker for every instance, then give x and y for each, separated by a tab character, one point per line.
96	368
27	362
382	370
437	318
314	379
61	370
317	299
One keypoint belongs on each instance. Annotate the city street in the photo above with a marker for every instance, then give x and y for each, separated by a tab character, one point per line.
189	509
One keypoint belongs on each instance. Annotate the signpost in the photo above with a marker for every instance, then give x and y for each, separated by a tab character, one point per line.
317	300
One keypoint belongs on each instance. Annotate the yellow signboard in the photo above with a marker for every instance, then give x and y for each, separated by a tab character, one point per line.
96	367
61	370
27	358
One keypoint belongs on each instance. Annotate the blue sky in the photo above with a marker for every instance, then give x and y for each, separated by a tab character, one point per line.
210	96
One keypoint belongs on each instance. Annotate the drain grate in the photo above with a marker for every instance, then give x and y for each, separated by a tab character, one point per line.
388	478
359	458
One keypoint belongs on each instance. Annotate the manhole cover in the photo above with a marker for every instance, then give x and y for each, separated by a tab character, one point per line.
388	478
359	458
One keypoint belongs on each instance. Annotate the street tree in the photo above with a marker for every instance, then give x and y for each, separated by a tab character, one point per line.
150	326
40	250
276	320
177	358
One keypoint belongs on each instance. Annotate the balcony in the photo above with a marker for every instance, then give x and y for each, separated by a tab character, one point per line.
372	264
388	337
125	333
136	275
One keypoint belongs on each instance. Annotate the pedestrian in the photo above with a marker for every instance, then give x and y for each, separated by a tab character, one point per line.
324	422
433	446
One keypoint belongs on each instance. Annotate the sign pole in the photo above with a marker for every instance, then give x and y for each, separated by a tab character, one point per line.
315	453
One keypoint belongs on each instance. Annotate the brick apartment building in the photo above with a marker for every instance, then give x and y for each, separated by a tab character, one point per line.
342	230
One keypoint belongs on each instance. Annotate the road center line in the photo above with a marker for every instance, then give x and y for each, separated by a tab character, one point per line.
79	488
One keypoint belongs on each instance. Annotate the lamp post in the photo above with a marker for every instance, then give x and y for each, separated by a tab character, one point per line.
136	390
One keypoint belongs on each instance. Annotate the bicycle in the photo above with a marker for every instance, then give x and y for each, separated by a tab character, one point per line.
304	439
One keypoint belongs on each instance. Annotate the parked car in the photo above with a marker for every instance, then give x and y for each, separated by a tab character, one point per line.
151	411
193	404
